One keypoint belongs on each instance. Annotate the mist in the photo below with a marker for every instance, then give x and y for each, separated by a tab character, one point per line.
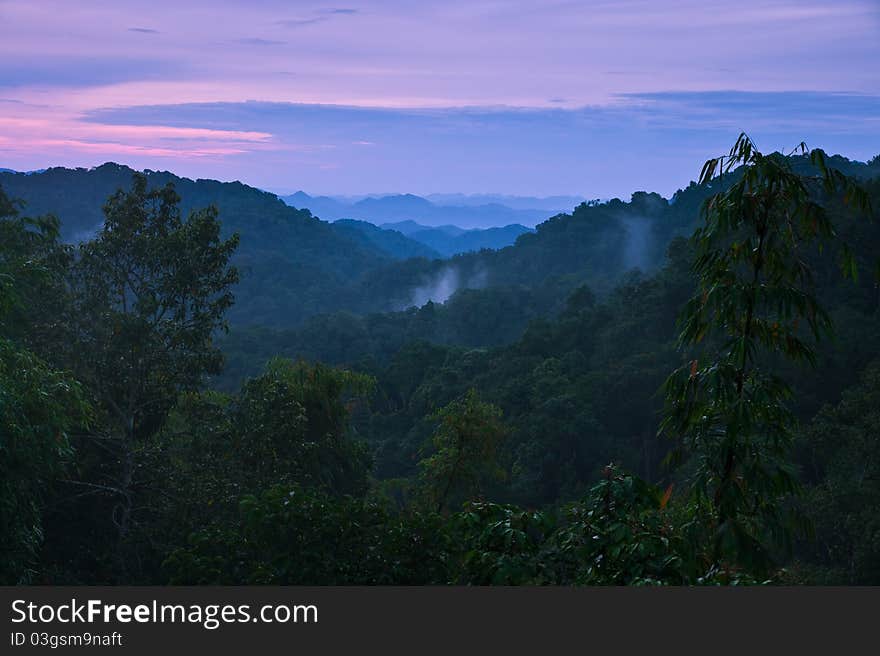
438	290
636	251
444	284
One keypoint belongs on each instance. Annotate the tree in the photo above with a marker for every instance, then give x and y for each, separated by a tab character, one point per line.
33	265
290	535
150	292
755	301
843	456
465	442
288	427
292	425
623	531
38	408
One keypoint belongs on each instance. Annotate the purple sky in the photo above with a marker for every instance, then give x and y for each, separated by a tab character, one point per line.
524	97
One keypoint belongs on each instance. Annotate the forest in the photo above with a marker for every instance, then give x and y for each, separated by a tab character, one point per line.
200	384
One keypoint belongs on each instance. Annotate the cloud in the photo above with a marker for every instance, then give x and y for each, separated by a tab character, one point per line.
706	110
82	70
253	41
781	111
454	52
627	72
323	15
645	141
300	22
644	88
115	149
28	134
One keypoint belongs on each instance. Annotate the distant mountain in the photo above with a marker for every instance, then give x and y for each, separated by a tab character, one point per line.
293	265
451	240
410	239
408	207
2	170
553	204
324	207
399	206
411	227
392	242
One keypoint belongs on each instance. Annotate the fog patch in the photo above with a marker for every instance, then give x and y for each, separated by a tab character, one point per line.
478	279
442	285
636	251
438	289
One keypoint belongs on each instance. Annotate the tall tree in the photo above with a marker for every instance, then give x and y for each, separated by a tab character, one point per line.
466	444
33	287
755	301
39	406
150	292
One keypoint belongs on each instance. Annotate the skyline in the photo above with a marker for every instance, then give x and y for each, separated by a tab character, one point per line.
594	99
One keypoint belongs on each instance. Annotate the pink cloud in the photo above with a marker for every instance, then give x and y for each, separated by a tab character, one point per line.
431	54
68	134
105	148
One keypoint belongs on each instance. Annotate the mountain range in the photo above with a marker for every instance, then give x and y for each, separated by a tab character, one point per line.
449	240
295	266
466	212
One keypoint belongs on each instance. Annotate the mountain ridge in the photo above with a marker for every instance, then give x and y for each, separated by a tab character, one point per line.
295	266
403	207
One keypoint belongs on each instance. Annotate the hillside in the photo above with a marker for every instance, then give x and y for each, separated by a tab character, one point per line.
391	242
555	344
295	266
463	211
451	240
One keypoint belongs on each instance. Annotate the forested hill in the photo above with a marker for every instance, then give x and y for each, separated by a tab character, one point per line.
449	240
466	442
460	211
392	242
295	266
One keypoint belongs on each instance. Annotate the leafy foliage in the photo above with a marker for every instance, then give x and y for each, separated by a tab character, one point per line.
843	491
757	292
148	294
465	447
39	407
306	473
297	536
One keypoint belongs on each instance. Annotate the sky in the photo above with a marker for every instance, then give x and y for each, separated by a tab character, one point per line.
526	97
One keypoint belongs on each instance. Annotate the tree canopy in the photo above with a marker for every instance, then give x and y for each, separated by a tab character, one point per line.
505	435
